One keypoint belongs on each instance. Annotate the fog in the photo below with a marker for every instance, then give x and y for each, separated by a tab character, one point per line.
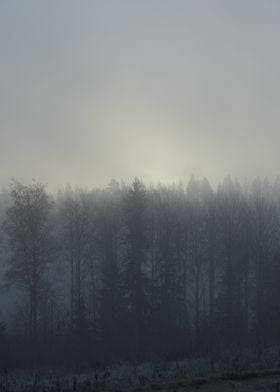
139	195
94	90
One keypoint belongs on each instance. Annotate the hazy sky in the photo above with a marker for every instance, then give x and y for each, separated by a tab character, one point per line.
160	89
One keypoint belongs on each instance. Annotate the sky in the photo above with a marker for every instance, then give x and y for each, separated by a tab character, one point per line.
158	89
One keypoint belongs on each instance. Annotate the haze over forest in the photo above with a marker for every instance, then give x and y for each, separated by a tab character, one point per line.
138	273
139	195
94	90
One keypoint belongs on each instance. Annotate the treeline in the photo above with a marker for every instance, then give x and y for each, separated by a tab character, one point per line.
137	273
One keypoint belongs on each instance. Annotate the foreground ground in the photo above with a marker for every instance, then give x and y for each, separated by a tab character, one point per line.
242	372
228	382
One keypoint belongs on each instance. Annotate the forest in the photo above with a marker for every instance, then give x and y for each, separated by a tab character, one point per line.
138	273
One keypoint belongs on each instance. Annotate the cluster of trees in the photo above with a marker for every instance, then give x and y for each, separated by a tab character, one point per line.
137	273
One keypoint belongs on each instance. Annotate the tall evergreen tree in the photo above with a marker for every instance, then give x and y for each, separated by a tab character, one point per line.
136	276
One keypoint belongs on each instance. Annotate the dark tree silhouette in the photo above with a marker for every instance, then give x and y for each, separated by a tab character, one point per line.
140	273
136	258
27	227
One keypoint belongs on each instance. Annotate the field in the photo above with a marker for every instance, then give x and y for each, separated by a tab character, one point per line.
239	372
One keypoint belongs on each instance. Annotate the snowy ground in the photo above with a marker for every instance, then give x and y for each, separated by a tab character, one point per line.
267	383
240	371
